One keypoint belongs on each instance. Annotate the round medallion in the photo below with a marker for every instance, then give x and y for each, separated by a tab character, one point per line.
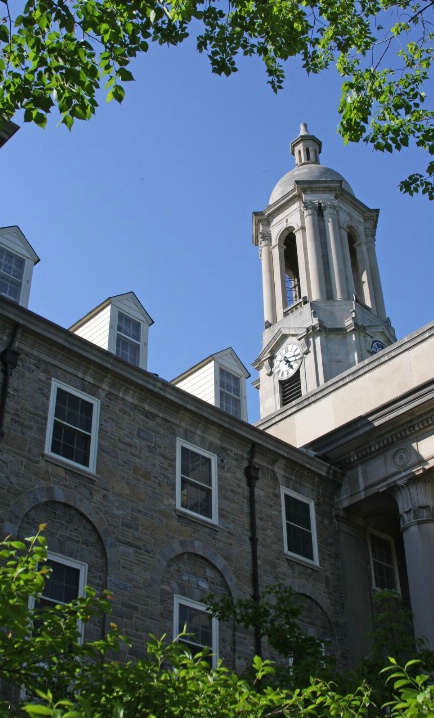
401	457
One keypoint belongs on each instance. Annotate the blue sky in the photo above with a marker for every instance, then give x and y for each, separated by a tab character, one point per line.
156	195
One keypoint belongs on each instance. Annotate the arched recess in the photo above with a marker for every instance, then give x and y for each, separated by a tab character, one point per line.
290	267
356	268
319	618
31	500
192	571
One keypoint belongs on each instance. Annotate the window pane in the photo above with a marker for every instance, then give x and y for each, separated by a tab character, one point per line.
383	563
128	327
297	512
230	404
196	466
229	382
196	498
127	350
298	527
73	410
70	444
11	264
11	274
198	624
63	584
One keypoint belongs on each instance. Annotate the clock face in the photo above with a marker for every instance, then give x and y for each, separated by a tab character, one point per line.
377	346
287	361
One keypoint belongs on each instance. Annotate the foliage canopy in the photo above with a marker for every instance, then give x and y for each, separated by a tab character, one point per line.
59	53
46	669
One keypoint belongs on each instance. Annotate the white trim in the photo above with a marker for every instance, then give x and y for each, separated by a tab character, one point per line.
177	629
242	397
55	384
113	333
284	491
214	498
390	540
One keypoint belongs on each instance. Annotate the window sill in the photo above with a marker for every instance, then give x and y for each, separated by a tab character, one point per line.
303	561
198	519
76	468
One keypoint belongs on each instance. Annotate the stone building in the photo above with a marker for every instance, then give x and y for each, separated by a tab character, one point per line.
163	492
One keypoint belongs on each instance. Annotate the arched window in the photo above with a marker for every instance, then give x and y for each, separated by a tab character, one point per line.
292	274
355	269
299	157
308	154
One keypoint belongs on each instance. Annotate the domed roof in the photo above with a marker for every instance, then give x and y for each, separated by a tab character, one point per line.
307	171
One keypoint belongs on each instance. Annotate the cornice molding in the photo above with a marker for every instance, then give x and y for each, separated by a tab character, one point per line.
377	446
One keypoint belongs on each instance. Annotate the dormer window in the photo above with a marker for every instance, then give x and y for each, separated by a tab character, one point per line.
17	259
11	275
230	393
119	325
128	339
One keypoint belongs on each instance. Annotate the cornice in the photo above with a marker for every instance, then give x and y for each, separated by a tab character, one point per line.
108	372
378	445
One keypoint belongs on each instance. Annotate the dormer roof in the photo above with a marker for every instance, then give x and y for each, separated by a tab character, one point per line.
117	298
214	357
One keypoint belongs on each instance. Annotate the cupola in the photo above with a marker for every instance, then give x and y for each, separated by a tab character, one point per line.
306	148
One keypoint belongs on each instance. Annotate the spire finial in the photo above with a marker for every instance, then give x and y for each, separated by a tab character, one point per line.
303	129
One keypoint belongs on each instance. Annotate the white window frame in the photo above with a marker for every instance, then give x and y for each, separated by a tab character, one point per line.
310	502
243	399
177	629
27	275
83	568
113	334
133	341
220	390
214	498
55	384
390	540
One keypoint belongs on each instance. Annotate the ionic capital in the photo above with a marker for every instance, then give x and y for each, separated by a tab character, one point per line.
415	499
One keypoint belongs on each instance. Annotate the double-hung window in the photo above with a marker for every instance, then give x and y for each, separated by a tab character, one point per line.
72	426
196	481
383	561
230	393
11	274
128	339
299	527
193	618
65	583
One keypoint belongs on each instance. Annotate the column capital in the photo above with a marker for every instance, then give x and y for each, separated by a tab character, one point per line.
415	499
310	207
264	237
330	206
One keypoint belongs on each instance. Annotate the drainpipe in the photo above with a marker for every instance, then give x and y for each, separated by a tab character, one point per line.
9	359
251	473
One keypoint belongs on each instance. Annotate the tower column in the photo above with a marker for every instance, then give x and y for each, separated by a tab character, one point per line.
316	272
347	261
375	273
365	275
415	499
299	238
267	274
334	250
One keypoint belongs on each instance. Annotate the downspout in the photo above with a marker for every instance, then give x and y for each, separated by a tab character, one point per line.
9	359
251	473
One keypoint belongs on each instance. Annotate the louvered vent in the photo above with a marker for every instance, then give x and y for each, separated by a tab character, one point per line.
290	389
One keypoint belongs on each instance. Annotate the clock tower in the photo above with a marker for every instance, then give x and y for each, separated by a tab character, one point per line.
323	302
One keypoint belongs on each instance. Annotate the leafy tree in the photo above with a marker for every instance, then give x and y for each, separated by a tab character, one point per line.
58	675
60	52
277	616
